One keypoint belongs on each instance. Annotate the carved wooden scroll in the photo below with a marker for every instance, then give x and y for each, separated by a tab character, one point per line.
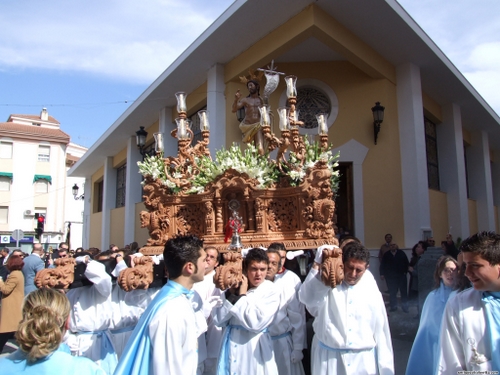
230	273
138	277
60	277
332	267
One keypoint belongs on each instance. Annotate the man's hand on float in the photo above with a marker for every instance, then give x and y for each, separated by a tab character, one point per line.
243	285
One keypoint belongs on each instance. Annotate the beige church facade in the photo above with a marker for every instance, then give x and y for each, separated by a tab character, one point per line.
435	166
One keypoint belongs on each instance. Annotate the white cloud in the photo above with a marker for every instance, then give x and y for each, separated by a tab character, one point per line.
482	69
468	32
485	56
123	39
135	41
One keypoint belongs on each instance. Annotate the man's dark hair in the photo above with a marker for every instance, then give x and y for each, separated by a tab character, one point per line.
347	239
255	255
485	244
277	246
62	243
179	251
103	254
355	250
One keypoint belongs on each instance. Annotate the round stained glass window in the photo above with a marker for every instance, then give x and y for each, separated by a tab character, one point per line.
310	102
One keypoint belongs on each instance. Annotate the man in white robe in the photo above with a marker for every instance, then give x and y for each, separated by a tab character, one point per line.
470	331
91	315
246	314
288	330
165	340
127	306
351	329
209	343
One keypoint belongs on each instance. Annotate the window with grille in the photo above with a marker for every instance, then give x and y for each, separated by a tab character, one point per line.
149	150
44	153
310	102
5	150
432	154
98	195
121	176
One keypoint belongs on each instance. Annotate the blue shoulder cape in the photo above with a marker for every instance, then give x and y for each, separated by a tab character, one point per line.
136	357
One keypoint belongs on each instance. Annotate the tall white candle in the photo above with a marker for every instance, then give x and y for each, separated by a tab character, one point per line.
283	114
322	126
159	142
291	91
181	128
264	115
204	125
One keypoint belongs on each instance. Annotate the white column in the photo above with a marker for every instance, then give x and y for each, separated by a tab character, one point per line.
413	153
165	127
87	211
133	190
216	106
452	179
480	182
108	201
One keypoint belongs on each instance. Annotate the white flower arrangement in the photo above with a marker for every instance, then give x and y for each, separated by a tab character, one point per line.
314	153
250	162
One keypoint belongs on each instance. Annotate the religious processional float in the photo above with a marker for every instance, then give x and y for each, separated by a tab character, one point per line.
245	197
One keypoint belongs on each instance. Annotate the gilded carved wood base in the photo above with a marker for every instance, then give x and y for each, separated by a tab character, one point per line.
301	217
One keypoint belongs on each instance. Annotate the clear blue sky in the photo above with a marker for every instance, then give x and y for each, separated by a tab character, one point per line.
86	61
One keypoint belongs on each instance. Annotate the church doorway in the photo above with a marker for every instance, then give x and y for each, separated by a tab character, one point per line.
344	205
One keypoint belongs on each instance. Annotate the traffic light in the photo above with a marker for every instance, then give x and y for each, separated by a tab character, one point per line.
40	223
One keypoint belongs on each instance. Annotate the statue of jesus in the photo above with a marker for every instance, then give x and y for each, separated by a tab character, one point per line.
250	126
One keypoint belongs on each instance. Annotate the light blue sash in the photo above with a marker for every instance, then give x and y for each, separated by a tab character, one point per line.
107	356
343	350
492	306
277	337
136	358
223	365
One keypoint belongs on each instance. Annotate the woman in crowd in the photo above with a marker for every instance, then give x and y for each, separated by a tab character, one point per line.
44	321
423	354
12	291
416	253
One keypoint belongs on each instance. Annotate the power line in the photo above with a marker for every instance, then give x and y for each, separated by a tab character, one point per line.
65	105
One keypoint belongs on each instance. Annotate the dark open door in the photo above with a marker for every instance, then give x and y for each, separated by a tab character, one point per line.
343	201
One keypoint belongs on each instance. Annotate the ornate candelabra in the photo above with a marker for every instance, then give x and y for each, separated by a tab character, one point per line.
179	170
